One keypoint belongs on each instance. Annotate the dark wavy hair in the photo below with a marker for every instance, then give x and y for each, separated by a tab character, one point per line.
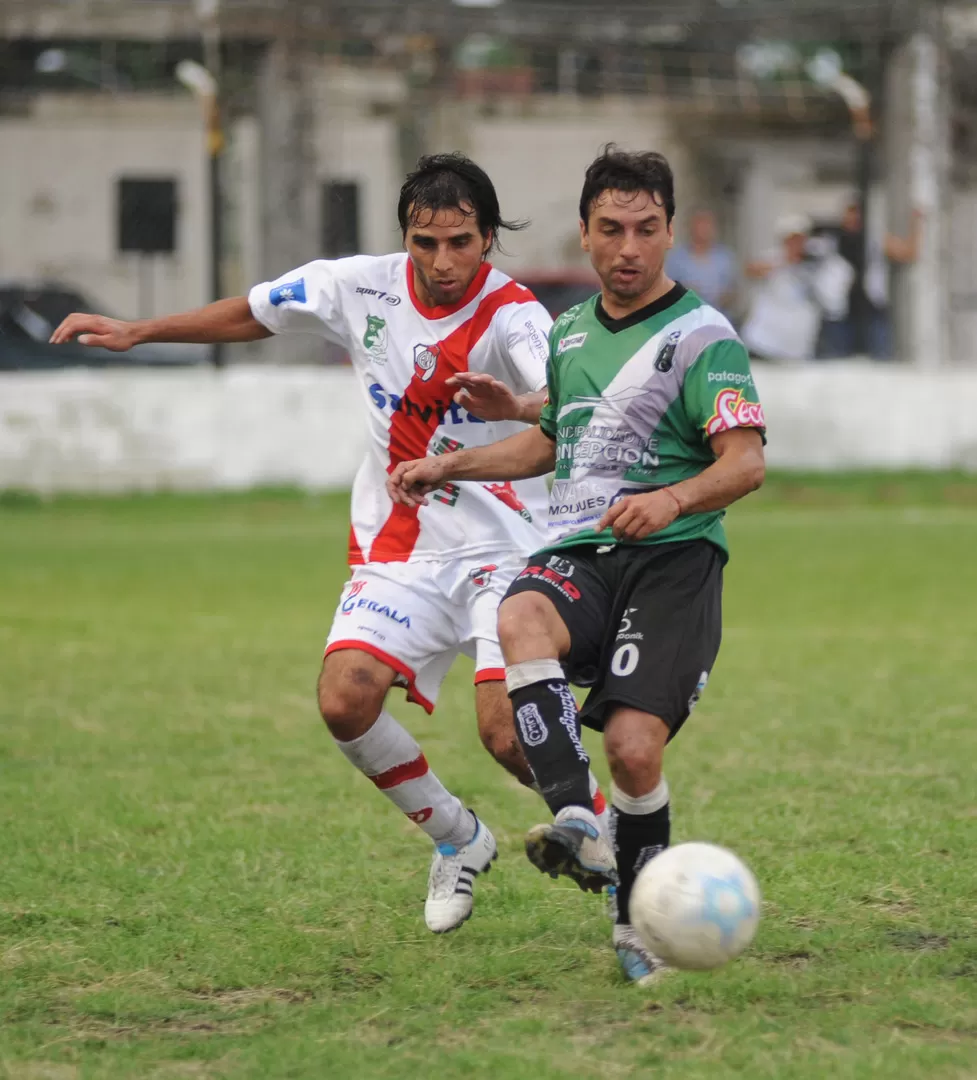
621	170
451	182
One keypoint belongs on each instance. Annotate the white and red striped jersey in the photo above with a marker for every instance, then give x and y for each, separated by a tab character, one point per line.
402	353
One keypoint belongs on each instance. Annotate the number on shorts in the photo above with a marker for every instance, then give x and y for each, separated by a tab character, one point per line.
625	659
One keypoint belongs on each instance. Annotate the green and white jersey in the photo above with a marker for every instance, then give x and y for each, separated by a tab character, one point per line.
632	404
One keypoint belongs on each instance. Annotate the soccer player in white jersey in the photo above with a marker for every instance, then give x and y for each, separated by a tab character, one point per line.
429	332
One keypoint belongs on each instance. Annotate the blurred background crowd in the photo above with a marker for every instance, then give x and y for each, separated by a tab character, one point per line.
158	153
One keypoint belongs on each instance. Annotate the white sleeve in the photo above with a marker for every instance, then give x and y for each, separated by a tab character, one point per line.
309	299
525	336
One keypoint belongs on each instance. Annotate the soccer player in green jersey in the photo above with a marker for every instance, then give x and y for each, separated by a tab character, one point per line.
653	426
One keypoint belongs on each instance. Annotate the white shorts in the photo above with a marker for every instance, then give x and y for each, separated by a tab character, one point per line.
417	617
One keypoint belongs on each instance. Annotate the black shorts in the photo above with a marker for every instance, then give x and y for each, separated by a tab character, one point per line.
645	622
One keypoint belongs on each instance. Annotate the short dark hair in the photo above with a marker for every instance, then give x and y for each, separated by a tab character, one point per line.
447	182
622	170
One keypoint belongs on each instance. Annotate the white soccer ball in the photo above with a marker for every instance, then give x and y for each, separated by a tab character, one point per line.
696	906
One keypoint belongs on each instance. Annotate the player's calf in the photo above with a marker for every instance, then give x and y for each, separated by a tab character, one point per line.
640	811
496	730
350	689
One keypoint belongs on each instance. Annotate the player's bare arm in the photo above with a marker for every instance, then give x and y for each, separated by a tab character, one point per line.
492	400
529	453
738	470
228	320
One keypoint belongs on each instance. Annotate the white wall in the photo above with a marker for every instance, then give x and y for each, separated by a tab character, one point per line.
860	415
58	210
179	430
246	426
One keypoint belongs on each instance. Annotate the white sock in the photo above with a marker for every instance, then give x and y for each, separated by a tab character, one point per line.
389	755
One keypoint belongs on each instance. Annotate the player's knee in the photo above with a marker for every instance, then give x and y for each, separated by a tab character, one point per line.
637	761
522	618
351	704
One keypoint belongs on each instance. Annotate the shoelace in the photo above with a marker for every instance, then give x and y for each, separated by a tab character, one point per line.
445	871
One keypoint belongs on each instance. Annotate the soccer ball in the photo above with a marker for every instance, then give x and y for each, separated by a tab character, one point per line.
695	905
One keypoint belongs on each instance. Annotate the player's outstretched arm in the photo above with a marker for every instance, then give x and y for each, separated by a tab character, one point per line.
491	399
530	453
737	470
223	321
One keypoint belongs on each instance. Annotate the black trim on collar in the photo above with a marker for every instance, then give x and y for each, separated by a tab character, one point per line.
674	294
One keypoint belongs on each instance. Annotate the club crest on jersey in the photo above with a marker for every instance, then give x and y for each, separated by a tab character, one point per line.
482	575
666	354
426	360
375	338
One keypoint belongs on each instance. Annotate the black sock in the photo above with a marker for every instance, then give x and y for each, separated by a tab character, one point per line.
638	838
548	728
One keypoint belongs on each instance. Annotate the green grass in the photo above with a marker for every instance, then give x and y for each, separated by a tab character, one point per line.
194	883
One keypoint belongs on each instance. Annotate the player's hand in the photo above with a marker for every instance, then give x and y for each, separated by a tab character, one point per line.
411	481
636	516
96	330
488	398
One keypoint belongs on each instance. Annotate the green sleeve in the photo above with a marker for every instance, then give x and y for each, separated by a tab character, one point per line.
547	417
719	392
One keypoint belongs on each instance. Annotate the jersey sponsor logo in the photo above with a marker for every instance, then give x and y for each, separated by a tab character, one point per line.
355	601
291	290
737	378
355	588
447	412
601	447
387	298
426	360
552	578
506	494
732	410
538	345
666	354
575	504
625	633
481	575
574	341
531	724
375	338
568	716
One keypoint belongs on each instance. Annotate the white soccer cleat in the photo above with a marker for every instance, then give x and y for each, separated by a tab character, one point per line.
638	964
453	871
573	845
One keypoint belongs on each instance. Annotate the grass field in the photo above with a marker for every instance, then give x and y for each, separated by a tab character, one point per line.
194	883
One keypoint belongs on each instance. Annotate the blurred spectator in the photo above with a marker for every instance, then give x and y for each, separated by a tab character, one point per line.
785	316
865	326
704	266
